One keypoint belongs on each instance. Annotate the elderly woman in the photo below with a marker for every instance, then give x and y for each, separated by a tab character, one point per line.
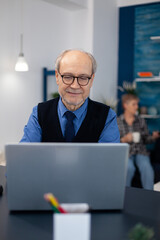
128	124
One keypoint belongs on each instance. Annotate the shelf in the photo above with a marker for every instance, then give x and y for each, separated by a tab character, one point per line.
155	38
148	79
149	116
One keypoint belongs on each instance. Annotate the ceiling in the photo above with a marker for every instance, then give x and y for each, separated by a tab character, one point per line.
69	4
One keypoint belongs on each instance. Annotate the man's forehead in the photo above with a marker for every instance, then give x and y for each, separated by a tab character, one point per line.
76	59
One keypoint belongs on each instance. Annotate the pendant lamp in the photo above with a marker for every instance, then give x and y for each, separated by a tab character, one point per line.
21	64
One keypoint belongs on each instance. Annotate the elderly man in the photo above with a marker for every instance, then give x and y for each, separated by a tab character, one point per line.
73	117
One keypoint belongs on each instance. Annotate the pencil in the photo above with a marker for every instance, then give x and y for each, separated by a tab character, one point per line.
54	208
54	202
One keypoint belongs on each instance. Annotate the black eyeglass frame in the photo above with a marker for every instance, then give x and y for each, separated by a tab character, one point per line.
62	76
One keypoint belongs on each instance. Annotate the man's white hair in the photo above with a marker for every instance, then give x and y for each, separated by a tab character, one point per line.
93	60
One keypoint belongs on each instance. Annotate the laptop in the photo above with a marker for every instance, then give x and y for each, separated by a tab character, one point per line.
92	173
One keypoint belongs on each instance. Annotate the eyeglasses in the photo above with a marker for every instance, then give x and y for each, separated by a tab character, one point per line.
69	79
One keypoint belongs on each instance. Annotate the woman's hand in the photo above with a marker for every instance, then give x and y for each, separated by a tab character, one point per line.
155	135
127	138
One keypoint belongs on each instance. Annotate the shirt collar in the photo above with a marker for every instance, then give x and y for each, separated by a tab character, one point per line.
122	117
78	112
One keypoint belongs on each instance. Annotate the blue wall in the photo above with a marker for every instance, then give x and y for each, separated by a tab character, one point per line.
126	48
137	52
146	51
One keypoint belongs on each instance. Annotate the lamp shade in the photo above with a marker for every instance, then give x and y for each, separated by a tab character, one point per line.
21	65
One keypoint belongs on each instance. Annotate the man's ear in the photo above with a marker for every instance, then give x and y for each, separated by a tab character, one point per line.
92	78
57	77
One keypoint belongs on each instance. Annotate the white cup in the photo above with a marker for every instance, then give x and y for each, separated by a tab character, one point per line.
71	226
136	137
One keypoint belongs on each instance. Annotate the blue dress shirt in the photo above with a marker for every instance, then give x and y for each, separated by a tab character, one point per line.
110	133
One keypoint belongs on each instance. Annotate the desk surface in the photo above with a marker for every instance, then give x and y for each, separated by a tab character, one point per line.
140	206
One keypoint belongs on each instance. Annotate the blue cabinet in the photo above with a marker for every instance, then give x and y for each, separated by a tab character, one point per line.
149	95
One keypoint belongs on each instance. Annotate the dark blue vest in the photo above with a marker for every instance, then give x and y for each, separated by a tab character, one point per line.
89	131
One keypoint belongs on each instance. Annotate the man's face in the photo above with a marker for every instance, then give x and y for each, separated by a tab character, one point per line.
131	106
75	64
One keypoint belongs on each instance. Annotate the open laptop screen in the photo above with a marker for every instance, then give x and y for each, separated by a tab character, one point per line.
90	173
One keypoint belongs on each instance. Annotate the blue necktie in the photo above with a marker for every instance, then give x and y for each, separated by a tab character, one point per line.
69	130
